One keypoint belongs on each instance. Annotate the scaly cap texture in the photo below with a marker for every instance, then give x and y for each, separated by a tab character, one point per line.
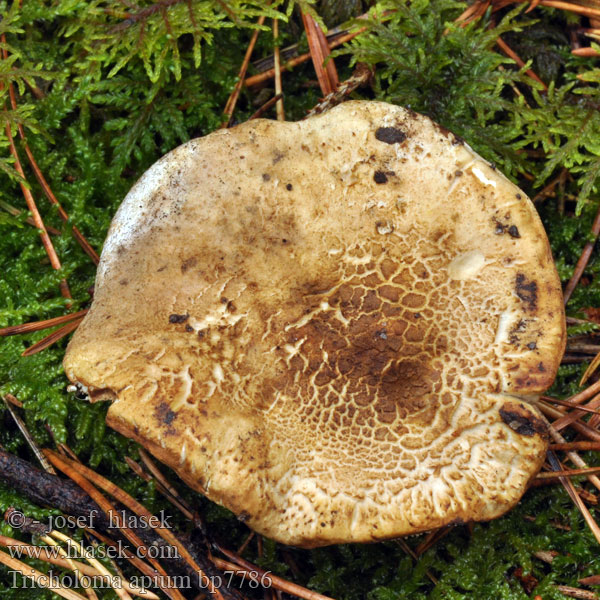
330	327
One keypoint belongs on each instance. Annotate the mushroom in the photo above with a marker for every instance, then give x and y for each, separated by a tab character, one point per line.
332	327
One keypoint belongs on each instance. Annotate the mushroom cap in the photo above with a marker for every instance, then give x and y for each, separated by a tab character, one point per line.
330	327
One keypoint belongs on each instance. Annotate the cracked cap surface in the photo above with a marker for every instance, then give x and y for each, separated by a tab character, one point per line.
329	326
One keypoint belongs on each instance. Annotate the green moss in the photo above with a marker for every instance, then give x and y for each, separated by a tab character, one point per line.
116	87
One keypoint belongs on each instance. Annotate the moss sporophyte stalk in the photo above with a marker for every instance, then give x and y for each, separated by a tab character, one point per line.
103	89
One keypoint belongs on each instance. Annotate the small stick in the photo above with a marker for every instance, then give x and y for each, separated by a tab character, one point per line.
290	64
70	469
433	537
36	450
512	54
584	258
546	556
570	405
533	5
568	473
361	76
260	575
586	394
52	542
245	543
15	212
265	107
470	10
586	51
87	248
549	189
319	51
584	446
235	94
568	485
577	592
138	563
41	579
278	88
406	548
45	554
137	469
31	205
574	415
39	325
573	456
556	413
119	590
37	219
10	398
582	10
590	369
583	348
574	321
64	463
52	338
183	506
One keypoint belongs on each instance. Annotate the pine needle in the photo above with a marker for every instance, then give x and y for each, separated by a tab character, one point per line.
45	554
41	579
32	443
568	485
320	53
39	325
586	253
278	88
242	568
52	338
120	591
70	468
235	94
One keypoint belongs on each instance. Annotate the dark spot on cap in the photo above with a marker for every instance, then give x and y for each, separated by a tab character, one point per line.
458	173
224	300
526	291
189	328
201	333
178	318
518	196
514	232
390	135
521	420
266	177
532	345
165	414
289	187
380	177
188	263
541	368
